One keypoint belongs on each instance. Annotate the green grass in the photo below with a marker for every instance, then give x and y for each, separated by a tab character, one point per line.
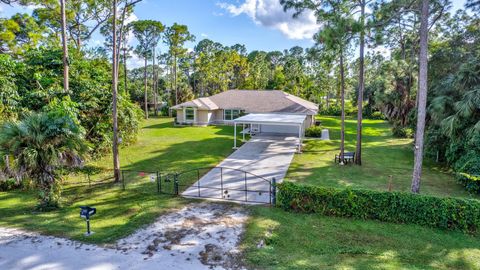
160	147
384	158
312	241
302	241
163	147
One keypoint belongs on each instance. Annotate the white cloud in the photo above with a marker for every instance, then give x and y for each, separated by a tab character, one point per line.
131	18
203	35
269	13
135	62
32	7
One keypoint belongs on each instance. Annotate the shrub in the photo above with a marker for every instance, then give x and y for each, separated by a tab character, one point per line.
314	131
336	110
402	132
397	207
376	116
9	184
470	182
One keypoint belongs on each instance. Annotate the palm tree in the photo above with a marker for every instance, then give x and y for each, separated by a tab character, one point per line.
39	145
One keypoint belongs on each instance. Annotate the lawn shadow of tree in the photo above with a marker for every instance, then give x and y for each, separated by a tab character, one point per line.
323	242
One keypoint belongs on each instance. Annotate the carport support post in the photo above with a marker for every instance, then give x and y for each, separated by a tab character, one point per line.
243	131
300	138
234	135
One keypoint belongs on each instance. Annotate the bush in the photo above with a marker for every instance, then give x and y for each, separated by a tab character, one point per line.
9	184
336	110
397	207
313	131
402	132
470	182
376	116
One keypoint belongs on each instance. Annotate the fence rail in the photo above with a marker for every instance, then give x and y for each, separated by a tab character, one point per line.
207	182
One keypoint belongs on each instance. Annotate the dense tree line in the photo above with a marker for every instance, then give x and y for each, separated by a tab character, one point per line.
46	62
212	67
32	69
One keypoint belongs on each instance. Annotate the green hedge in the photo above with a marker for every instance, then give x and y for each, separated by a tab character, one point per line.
397	207
313	132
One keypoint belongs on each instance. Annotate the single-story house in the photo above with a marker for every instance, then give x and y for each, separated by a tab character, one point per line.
265	111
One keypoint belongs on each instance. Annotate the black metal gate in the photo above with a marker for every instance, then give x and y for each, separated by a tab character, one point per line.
168	183
223	183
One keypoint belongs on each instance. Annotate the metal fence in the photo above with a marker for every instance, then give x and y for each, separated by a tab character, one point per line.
220	183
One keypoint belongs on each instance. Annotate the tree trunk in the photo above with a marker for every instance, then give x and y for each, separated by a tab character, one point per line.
125	70
79	39
361	82
154	84
146	89
342	100
175	78
116	160
65	48
422	98
328	100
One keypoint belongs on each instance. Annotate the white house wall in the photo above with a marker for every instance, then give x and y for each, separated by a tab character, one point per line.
180	116
202	117
205	117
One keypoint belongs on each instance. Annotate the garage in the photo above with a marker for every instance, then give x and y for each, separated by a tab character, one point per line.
272	124
278	129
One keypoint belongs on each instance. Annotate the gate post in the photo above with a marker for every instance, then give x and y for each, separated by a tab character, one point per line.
159	185
221	183
198	182
274	191
246	189
175	183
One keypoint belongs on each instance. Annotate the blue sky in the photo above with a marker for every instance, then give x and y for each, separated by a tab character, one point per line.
258	24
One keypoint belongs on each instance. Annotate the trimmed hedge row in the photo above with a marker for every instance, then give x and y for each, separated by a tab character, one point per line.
397	207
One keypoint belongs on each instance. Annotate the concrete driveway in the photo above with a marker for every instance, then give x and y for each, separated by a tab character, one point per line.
264	157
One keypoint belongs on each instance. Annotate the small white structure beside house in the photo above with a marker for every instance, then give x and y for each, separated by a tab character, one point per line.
259	111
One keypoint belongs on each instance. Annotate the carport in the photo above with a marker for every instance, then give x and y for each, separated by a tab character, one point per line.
271	123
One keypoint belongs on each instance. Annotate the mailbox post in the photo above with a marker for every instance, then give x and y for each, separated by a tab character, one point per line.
86	212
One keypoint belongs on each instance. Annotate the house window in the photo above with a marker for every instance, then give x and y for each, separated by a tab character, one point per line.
189	114
232	114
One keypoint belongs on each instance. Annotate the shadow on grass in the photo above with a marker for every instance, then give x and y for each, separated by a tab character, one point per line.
184	156
310	241
384	159
120	212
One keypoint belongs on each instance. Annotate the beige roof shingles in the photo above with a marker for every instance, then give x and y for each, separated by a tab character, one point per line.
254	101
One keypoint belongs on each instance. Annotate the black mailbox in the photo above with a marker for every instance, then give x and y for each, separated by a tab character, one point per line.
86	212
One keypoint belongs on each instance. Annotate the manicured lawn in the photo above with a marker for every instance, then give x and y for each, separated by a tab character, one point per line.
163	147
160	147
384	157
302	241
308	241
